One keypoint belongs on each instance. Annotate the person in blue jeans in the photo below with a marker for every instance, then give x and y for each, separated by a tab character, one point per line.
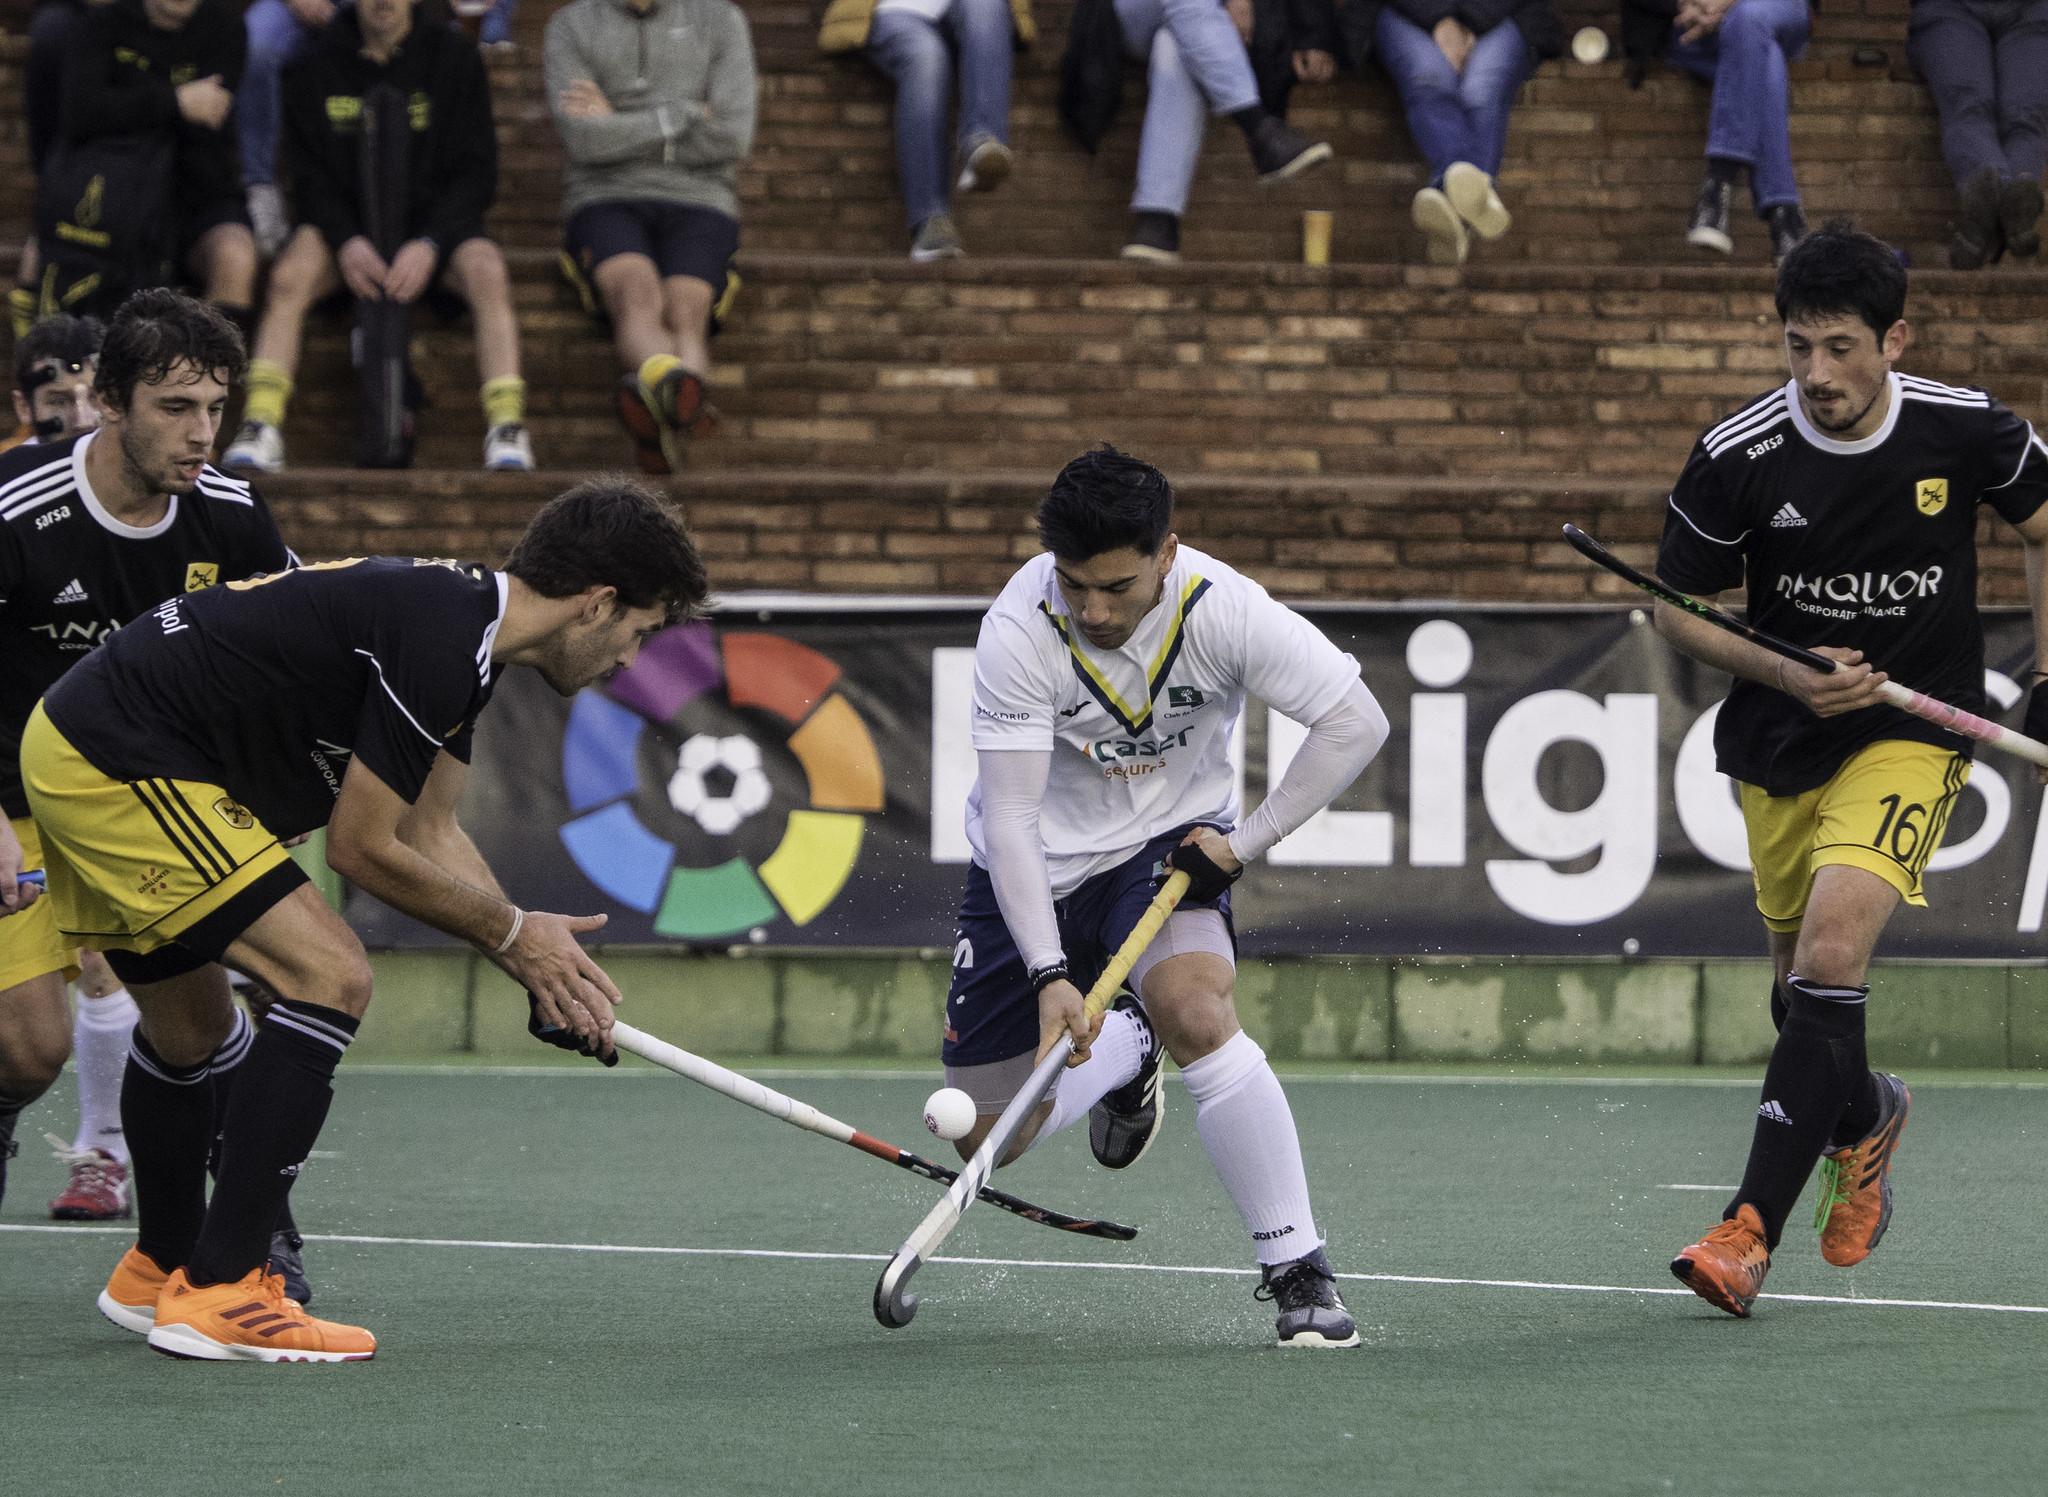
1457	65
922	45
1986	63
277	32
1743	47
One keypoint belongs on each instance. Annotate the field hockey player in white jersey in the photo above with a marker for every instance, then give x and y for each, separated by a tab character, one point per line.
1108	678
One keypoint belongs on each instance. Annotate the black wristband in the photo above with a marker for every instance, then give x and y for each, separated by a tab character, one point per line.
1044	977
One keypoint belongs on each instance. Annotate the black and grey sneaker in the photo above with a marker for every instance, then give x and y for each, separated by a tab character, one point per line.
1979	238
288	1263
1155	236
1280	152
1123	1124
1312	1312
1788	227
1708	229
2019	215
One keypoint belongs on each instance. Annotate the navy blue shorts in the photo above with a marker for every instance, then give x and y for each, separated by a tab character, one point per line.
678	238
991	1012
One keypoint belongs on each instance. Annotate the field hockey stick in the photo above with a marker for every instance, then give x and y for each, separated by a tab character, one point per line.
894	1305
1955	719
766	1099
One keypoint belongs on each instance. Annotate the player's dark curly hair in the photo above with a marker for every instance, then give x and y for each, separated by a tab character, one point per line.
68	340
612	532
1838	270
1105	500
155	331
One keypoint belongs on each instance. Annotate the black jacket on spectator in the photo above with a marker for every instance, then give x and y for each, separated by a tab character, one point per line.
121	77
1541	30
452	167
1093	67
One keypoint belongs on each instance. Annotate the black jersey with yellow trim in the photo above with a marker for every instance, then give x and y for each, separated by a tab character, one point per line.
271	688
71	574
1870	545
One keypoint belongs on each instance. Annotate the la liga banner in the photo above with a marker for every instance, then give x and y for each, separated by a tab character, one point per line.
797	774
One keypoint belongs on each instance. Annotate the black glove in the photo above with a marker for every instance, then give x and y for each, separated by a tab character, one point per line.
1206	881
560	1038
2035	723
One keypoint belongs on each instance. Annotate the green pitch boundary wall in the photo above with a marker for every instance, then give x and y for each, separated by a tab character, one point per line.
888	1006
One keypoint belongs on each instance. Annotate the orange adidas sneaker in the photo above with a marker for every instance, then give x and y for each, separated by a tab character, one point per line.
250	1320
1856	1182
1726	1267
129	1300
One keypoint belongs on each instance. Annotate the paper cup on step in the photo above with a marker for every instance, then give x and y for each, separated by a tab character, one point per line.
1589	44
1315	237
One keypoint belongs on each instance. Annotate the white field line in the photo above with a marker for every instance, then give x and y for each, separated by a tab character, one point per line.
1433	1281
1289	1078
1718	1189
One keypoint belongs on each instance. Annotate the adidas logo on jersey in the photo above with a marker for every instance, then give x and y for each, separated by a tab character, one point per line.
1772	1112
73	593
1787	517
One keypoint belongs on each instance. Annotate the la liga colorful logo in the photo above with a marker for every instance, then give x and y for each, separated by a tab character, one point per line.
671	766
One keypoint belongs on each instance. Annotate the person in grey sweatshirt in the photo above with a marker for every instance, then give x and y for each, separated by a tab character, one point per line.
655	103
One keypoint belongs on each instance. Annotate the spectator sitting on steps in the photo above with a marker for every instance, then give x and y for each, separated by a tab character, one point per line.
1986	63
921	44
655	102
1196	65
453	168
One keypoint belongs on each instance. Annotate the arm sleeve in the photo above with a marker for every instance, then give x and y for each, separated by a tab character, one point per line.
1340	744
324	199
2015	467
1425	13
1312	27
1702	550
94	104
1481	16
728	133
600	142
1012	789
466	165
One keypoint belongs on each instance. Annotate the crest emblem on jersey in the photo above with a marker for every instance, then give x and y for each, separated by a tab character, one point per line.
201	574
1930	495
1184	696
234	814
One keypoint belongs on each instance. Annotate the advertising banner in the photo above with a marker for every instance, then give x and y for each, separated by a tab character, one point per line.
796	776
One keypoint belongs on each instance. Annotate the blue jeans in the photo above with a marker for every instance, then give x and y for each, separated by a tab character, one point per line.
1986	63
1454	116
1750	120
497	23
276	36
1195	65
920	57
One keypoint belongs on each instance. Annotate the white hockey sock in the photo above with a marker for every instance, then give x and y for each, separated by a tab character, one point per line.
1118	1052
1248	1129
99	1040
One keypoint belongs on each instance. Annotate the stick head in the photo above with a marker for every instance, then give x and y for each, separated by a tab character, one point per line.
895	1307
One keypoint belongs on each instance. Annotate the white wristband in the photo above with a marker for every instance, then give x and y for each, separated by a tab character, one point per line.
518	923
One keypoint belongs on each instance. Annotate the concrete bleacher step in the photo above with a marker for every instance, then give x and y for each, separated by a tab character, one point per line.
1596	172
824	531
882	366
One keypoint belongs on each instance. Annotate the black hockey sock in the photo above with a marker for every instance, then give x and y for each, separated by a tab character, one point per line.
227	1065
10	1110
279	1101
167	1119
1815	1068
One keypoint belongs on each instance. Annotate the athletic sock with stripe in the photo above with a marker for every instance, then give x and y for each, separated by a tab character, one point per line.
227	1065
279	1102
1817	1069
1248	1129
167	1118
1112	1060
100	1031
